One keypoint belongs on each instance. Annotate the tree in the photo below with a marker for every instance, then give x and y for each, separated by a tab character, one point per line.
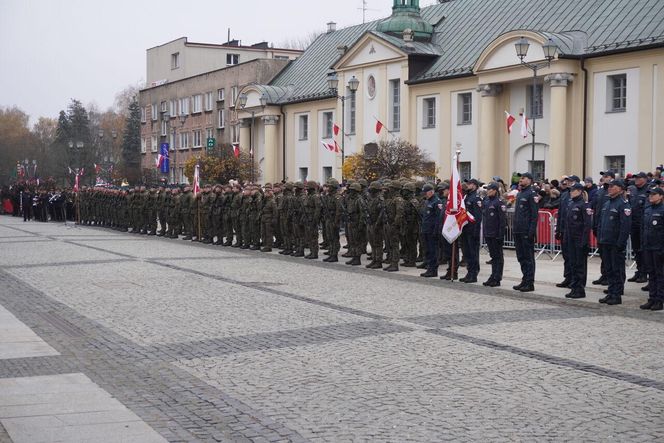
301	43
394	158
131	144
222	170
124	98
16	141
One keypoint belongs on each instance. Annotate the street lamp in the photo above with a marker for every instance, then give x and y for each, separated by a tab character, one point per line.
333	85
522	45
243	103
167	118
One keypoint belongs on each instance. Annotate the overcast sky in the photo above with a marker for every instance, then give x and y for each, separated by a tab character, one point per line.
55	50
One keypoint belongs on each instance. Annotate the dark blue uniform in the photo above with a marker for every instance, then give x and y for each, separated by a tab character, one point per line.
471	234
525	229
494	219
638	200
576	238
561	225
652	236
613	229
432	218
600	197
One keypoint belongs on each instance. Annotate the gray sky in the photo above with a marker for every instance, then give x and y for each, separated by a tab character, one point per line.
55	50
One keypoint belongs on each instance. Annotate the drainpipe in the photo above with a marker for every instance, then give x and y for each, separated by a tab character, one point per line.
283	140
585	114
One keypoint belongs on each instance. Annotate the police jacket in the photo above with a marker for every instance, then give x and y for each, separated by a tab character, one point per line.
474	207
615	222
637	200
525	213
432	216
565	200
494	217
652	228
601	197
577	222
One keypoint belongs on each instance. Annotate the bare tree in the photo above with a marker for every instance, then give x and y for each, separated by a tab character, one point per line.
125	97
302	42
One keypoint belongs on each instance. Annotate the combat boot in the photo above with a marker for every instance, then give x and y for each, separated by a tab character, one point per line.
186	237
312	257
563	284
657	306
332	259
519	286
409	264
370	265
354	262
528	287
266	250
391	268
449	276
429	274
601	282
648	305
422	266
615	300
604	299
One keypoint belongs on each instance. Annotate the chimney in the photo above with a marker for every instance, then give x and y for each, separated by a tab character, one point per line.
331	27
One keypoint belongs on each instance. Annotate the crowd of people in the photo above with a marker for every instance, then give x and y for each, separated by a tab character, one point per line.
397	223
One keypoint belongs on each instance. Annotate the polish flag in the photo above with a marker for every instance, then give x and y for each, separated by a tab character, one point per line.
510	122
336	147
236	150
329	146
455	211
379	126
197	180
336	129
524	125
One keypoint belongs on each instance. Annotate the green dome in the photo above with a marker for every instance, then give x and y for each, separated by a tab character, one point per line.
406	15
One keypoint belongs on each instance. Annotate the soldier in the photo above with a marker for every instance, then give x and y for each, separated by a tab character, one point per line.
236	212
652	238
162	209
353	227
296	209
285	221
311	217
375	227
268	213
394	221
245	223
430	229
205	212
363	205
525	229
576	238
324	196
471	232
227	215
187	202
332	220
638	198
174	211
615	223
494	219
217	221
411	227
152	211
277	193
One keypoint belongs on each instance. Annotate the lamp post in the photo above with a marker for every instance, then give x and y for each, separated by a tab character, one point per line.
333	85
243	103
550	49
167	119
107	154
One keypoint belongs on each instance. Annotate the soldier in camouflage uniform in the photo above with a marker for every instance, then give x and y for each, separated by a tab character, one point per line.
236	212
354	224
277	190
296	212
375	217
332	221
217	221
255	206
205	214
186	203
285	221
411	227
152	211
268	219
173	211
245	227
311	218
162	210
226	213
394	220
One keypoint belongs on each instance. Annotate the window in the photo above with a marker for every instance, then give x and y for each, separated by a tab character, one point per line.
352	110
232	59
233	96
538	169
535	107
465	108
221	119
281	57
429	113
197	101
184	140
144	144
304	127
209	133
221	95
142	115
327	173
175	60
208	101
617	93
184	106
155	143
164	106
173	108
616	163
465	170
395	108
164	128
327	124
304	172
155	112
197	139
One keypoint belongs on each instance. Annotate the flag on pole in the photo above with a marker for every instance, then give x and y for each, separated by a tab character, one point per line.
510	122
97	168
524	125
456	216
163	159
329	146
197	179
236	150
336	147
379	126
336	129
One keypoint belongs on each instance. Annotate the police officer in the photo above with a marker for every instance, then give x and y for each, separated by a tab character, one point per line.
565	198
601	197
430	229
525	229
652	237
494	219
637	201
615	223
576	238
471	232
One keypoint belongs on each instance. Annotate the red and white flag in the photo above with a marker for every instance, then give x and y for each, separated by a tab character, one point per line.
197	179
336	129
524	125
379	126
455	211
329	146
510	122
236	150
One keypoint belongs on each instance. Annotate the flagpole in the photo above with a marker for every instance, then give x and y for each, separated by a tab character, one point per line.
454	243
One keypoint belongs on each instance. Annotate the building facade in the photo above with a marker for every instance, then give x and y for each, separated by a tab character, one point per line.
443	77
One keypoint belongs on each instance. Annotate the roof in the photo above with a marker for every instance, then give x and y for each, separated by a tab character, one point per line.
464	28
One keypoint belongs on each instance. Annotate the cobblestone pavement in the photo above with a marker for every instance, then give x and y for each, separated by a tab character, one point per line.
205	343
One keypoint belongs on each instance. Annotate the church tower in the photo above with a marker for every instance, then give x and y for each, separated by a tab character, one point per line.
406	15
